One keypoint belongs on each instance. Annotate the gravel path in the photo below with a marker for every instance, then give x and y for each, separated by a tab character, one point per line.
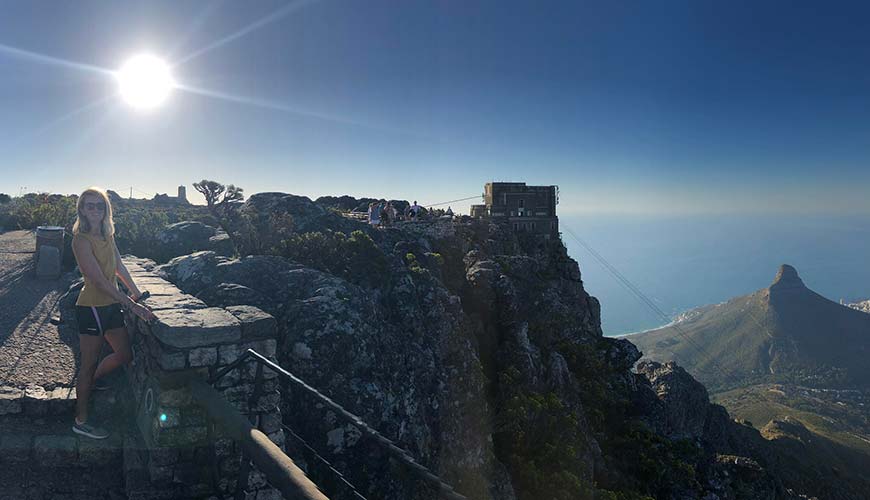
33	351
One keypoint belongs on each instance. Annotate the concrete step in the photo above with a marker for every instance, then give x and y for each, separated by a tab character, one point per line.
41	458
60	483
50	442
36	401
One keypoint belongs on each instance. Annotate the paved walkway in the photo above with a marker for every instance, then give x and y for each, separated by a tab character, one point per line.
33	351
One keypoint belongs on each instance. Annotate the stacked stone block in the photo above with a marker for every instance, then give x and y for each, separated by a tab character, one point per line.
40	456
181	454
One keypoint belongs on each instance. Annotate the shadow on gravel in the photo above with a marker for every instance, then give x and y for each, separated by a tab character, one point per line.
27	306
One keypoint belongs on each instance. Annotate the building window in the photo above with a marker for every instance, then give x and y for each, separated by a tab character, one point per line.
522	203
516	226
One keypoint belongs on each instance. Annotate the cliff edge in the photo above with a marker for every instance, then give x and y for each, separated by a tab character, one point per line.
478	349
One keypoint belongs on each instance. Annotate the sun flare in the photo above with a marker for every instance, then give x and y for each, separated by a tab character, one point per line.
145	81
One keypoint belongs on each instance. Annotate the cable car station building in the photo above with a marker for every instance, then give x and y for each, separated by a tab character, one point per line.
525	208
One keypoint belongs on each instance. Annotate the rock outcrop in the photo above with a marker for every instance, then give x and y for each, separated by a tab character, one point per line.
183	238
479	351
786	279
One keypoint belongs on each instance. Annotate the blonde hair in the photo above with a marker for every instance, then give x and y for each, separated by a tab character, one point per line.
82	225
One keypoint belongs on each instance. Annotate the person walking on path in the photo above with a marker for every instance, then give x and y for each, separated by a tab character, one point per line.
414	211
100	306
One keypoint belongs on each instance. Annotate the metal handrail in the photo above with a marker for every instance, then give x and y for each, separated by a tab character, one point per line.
400	454
281	471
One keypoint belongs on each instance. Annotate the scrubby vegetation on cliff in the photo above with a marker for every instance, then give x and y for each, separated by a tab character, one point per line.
353	257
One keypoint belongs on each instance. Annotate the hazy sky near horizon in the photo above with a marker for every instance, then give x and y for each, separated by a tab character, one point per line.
663	107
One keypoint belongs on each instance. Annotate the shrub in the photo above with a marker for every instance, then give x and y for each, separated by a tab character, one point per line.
541	441
136	230
637	460
355	258
42	209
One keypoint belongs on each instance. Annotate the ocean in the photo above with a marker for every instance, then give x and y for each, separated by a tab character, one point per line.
682	262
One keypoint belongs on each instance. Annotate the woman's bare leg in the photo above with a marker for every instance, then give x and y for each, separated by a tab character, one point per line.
120	342
89	346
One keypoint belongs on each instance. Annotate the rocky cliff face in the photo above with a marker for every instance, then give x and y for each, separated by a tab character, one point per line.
479	351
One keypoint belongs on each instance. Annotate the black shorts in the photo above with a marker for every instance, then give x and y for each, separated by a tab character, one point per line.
95	320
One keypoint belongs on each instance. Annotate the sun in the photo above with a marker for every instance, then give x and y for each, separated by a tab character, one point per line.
145	81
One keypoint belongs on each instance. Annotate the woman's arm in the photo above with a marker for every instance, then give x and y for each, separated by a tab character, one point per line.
123	274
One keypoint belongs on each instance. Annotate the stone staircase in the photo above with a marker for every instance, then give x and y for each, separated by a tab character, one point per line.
40	456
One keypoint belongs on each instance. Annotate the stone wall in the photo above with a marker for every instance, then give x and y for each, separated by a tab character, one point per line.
179	453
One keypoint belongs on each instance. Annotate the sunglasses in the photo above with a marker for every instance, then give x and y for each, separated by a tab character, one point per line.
95	206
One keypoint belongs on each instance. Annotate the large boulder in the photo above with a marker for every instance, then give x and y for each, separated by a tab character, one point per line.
182	238
686	402
194	272
275	215
344	203
221	244
233	294
305	212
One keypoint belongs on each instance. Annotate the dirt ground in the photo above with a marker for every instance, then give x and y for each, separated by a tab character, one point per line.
33	351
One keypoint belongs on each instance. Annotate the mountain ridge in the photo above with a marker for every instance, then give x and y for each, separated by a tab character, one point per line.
785	332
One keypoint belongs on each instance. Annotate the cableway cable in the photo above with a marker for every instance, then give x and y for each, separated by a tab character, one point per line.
453	201
634	290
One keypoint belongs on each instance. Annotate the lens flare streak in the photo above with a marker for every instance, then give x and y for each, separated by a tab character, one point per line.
278	14
42	58
260	103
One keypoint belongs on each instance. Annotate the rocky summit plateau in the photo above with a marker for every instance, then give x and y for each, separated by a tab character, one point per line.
477	349
472	345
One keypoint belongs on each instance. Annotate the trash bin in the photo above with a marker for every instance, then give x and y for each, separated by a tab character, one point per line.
49	251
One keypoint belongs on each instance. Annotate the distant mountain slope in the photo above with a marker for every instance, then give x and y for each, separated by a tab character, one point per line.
782	333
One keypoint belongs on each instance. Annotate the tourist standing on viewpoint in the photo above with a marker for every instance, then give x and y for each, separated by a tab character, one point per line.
391	214
99	308
415	211
374	213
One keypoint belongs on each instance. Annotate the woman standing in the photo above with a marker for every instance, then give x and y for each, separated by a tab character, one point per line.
99	308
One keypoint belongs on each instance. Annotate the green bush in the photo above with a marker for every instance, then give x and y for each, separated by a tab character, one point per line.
355	258
136	230
38	209
638	461
412	263
540	439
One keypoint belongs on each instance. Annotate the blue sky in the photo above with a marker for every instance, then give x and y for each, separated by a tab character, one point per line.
665	107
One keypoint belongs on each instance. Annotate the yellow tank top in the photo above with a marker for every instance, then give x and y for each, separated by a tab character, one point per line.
104	251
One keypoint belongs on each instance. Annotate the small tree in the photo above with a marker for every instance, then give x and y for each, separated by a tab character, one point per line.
5	198
223	208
